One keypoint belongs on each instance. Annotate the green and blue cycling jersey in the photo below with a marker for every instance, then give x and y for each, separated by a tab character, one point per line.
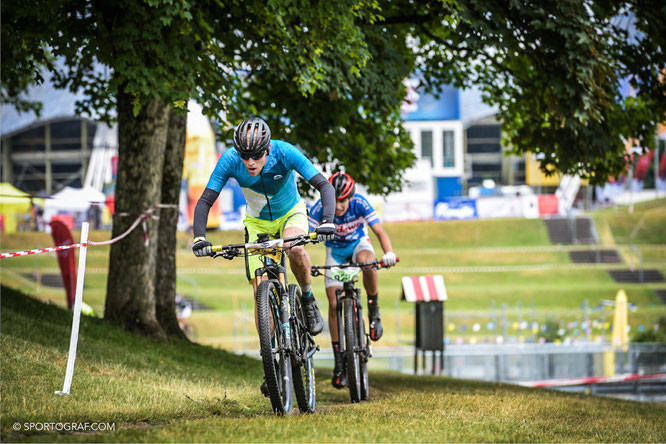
272	193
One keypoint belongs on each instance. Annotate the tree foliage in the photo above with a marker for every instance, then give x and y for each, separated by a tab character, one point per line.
328	75
554	69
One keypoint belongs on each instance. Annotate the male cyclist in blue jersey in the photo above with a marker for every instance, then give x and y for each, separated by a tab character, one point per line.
351	244
264	168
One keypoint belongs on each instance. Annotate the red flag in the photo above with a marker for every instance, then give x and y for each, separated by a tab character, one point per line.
643	165
66	258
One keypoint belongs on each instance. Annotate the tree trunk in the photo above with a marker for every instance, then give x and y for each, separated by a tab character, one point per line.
172	174
130	298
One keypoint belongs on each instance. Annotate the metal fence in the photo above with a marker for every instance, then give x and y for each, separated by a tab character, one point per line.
536	362
521	362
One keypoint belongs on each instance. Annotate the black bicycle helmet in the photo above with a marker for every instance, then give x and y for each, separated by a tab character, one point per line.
344	185
252	136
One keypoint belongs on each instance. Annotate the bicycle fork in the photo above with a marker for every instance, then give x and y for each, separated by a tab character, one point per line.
285	314
352	295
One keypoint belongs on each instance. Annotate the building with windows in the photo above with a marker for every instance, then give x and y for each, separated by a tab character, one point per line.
47	155
486	158
437	132
43	154
457	143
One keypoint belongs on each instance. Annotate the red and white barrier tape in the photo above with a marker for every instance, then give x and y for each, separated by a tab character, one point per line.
141	219
593	380
42	250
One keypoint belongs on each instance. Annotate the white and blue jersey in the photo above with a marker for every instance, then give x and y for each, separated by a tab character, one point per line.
275	184
350	227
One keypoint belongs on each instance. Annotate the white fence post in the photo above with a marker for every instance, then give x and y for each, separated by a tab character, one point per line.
73	341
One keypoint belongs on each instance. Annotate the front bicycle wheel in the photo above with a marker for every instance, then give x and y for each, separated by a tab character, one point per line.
353	358
363	346
302	366
276	359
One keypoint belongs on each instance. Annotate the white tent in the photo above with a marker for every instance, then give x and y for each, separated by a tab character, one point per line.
72	200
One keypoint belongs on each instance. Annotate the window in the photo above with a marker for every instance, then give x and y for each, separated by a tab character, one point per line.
448	149
476	148
426	146
487	167
484	132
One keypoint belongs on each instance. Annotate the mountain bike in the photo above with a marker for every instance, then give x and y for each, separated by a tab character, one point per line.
287	348
355	342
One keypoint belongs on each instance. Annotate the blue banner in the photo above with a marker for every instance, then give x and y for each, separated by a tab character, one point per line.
455	209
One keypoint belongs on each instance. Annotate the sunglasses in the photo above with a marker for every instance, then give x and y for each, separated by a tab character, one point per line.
256	156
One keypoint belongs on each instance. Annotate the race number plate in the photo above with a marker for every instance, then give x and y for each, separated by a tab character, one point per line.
344	274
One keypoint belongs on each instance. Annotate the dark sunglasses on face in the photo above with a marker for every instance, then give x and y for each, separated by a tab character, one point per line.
256	156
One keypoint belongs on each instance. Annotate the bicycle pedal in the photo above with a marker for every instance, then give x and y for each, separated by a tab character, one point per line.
369	350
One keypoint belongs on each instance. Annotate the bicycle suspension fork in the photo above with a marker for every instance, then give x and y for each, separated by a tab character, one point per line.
341	333
348	294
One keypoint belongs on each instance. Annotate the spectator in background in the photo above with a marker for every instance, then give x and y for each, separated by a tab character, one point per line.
93	216
183	308
36	216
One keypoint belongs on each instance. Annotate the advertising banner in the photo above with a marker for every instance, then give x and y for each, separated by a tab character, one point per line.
499	206
66	259
200	160
455	209
548	204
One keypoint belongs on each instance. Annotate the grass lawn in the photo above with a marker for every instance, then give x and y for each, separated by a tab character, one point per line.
182	392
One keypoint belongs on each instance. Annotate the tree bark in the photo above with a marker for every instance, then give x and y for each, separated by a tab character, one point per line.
172	174
130	298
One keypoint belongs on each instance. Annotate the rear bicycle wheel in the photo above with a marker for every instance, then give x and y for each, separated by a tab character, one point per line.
276	360
352	355
302	345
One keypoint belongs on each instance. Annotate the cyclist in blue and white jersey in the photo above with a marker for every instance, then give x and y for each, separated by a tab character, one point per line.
265	168
352	244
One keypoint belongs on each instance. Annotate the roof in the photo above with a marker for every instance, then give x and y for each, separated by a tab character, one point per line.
57	103
419	106
452	104
10	196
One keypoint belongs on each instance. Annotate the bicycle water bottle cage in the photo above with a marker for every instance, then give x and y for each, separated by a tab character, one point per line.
344	274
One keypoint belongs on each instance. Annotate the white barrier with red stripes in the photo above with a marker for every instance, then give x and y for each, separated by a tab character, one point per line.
627	377
424	288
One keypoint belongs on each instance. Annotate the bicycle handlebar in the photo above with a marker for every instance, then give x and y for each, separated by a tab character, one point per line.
234	250
314	270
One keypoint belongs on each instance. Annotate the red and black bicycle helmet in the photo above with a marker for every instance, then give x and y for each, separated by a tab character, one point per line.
344	185
252	136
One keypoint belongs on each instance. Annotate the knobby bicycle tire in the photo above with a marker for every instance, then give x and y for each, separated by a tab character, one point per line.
303	374
353	361
277	367
365	382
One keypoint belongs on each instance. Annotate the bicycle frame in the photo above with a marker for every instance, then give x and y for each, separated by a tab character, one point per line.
282	354
352	329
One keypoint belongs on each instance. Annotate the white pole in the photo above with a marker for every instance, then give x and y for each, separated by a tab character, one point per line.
73	341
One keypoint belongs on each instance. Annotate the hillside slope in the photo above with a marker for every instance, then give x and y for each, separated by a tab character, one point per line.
177	391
